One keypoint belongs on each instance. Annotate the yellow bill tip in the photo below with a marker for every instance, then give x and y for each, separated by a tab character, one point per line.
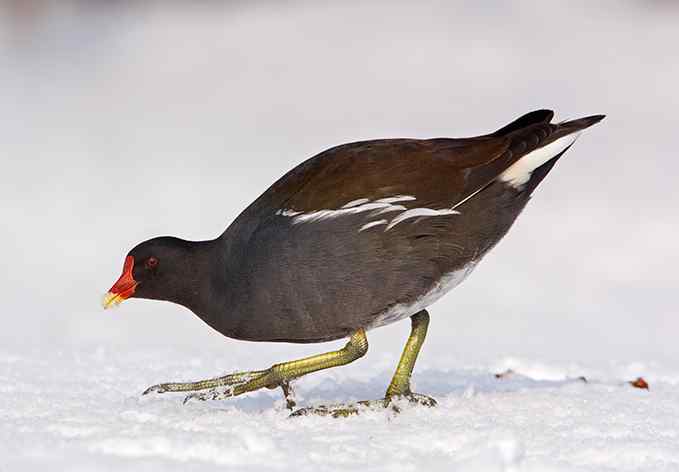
111	300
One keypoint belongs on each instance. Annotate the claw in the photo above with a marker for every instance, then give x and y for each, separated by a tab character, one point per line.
160	388
289	395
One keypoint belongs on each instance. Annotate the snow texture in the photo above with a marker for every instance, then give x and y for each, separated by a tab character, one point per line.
85	412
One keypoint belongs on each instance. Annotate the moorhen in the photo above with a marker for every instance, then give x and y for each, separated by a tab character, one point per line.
359	236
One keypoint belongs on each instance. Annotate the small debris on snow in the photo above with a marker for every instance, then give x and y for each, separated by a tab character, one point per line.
506	374
639	383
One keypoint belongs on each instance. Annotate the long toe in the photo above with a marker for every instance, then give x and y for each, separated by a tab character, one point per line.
159	388
244	384
336	411
229	381
395	403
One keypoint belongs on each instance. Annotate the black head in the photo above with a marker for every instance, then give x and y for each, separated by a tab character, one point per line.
163	268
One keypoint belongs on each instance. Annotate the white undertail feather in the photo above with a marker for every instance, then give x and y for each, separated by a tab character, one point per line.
519	173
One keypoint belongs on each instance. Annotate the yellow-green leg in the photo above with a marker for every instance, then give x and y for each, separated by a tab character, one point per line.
400	382
278	375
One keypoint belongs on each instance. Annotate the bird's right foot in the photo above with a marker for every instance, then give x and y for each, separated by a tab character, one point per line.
394	403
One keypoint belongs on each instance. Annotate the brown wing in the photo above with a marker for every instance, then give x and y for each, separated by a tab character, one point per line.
440	172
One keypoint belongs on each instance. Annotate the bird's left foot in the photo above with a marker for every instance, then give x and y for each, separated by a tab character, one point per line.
238	389
230	386
278	375
394	403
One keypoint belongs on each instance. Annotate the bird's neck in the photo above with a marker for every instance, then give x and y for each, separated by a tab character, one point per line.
203	280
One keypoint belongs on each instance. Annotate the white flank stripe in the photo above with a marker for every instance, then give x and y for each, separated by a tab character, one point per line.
324	214
416	212
397	198
378	207
388	209
519	173
373	223
288	213
354	203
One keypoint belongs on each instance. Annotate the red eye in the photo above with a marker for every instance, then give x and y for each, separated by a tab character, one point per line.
151	262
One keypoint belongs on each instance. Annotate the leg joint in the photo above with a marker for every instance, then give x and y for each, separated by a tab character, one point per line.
420	319
357	346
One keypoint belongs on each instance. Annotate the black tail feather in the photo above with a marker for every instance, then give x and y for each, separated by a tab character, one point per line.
532	118
582	123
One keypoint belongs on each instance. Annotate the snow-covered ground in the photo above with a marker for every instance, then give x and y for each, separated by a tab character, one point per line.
84	412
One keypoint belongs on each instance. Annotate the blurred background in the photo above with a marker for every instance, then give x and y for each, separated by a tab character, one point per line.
122	120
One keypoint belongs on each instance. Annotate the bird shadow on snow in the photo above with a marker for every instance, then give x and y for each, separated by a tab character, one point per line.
331	390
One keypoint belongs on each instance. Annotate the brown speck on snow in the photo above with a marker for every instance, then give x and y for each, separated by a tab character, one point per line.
639	383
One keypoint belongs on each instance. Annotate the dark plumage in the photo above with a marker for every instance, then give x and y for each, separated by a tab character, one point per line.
360	235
